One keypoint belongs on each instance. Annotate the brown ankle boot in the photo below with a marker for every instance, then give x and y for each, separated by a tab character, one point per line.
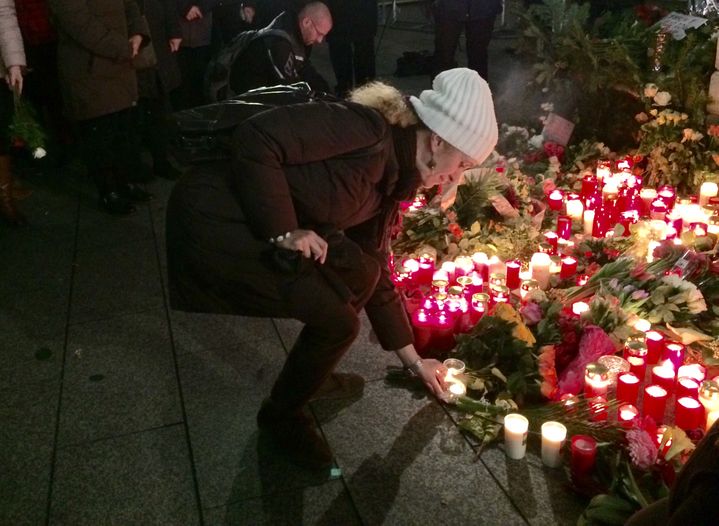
7	202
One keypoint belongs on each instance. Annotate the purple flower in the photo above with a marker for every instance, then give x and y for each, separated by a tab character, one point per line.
531	313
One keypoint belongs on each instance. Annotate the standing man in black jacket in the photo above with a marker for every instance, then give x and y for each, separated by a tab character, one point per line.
273	60
476	18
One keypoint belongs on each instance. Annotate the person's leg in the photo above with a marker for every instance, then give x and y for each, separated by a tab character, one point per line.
341	58
98	151
126	157
478	35
8	211
331	325
364	60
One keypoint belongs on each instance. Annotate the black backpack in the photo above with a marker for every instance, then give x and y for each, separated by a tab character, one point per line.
217	77
203	134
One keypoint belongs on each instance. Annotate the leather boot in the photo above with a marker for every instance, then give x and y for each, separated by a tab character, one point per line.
296	435
7	202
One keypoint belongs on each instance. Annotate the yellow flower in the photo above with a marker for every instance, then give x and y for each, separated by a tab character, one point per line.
653	112
520	331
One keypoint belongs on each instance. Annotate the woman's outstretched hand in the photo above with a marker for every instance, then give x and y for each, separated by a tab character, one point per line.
432	373
306	241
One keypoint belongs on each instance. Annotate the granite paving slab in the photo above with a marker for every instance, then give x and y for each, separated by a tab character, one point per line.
27	432
26	359
114	280
405	462
141	478
543	495
223	390
33	259
327	505
365	357
119	378
197	332
97	229
35	313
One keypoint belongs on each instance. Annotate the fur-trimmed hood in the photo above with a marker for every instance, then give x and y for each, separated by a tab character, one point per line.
388	100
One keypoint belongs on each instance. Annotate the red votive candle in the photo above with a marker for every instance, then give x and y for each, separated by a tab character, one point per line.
513	268
564	227
655	402
688	414
569	267
583	456
556	200
674	351
553	240
626	415
598	409
637	365
663	376
422	330
655	346
596	380
658	210
628	387
443	332
687	386
692	370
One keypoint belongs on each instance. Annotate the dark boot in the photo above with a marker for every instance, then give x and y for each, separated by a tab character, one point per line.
296	435
135	194
115	204
7	201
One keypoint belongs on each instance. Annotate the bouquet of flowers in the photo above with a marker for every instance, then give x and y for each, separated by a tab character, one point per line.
25	129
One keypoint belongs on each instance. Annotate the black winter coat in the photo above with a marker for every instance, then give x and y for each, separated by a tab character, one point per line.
301	166
272	60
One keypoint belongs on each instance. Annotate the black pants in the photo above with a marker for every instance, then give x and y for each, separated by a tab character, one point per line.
478	34
193	64
109	149
331	325
353	61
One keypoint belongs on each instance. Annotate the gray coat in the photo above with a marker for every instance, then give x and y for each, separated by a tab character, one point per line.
95	70
12	52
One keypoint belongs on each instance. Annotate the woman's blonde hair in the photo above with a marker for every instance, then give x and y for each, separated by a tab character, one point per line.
388	100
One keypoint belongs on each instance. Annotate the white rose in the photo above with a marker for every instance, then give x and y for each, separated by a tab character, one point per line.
650	90
536	141
662	98
39	153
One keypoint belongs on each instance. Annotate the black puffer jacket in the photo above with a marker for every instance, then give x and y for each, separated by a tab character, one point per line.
301	166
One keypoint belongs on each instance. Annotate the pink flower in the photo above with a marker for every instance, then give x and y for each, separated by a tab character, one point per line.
642	448
593	344
531	313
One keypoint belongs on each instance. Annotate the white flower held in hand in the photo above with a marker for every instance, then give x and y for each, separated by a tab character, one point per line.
39	153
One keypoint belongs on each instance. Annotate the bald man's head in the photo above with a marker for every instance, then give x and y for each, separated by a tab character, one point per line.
315	22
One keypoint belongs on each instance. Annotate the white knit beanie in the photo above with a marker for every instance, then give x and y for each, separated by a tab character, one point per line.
459	109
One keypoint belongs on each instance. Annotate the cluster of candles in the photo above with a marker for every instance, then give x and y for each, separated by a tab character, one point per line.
653	367
451	297
614	195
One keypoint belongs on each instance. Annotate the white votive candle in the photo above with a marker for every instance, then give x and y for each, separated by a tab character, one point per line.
706	191
588	222
575	209
540	265
553	435
515	435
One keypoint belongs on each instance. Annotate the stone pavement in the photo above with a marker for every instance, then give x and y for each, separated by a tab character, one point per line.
116	410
